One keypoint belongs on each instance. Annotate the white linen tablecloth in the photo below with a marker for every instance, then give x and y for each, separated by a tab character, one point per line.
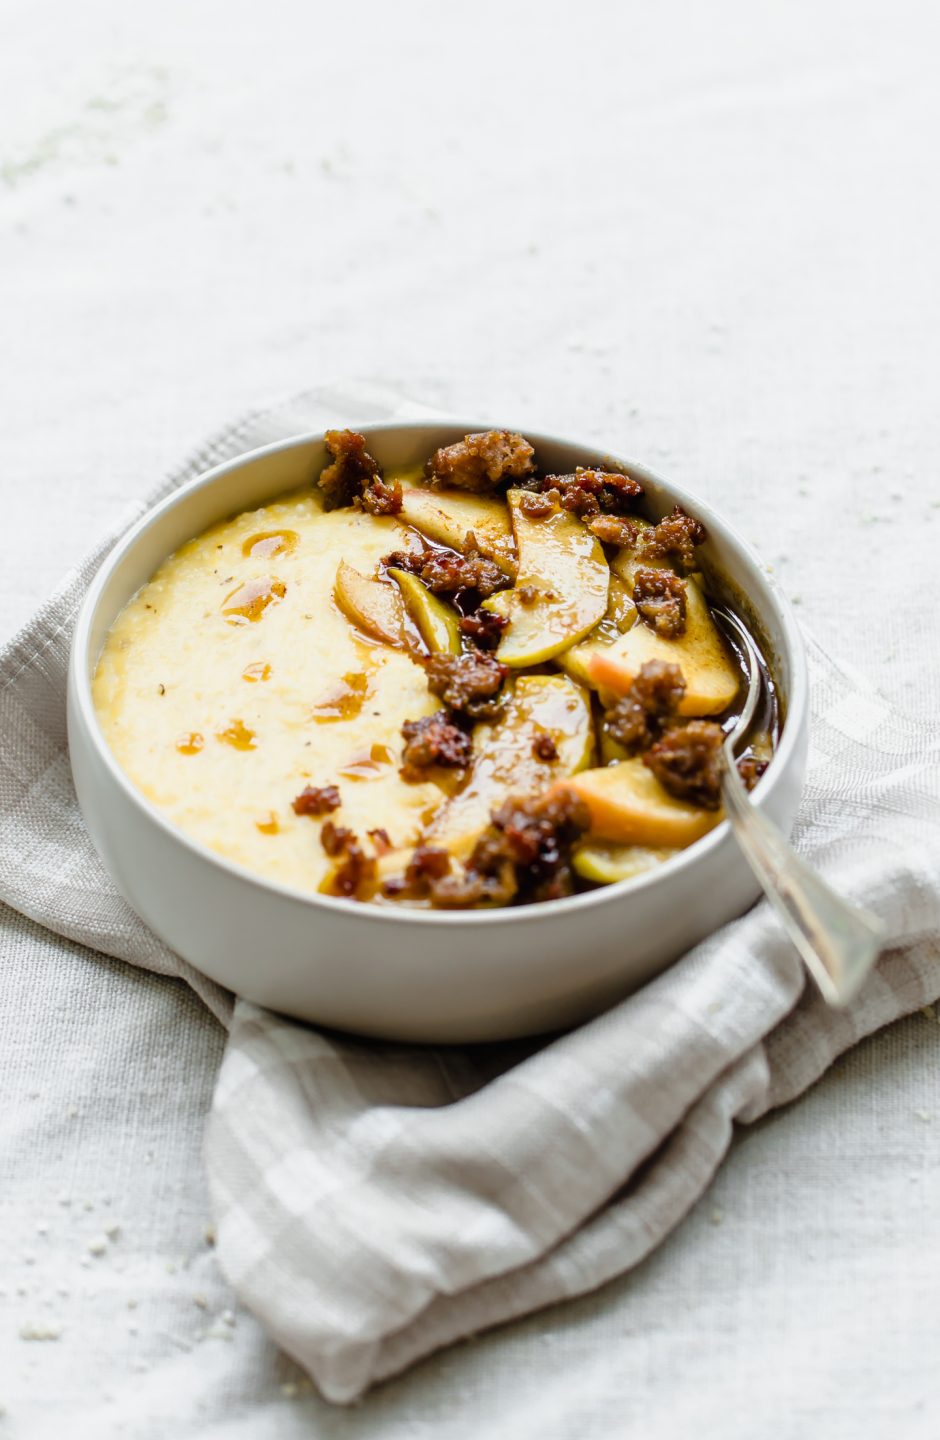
705	236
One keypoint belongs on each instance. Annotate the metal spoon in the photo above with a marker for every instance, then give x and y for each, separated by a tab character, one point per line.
838	942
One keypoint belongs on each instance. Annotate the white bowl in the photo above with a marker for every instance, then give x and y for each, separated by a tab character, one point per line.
430	976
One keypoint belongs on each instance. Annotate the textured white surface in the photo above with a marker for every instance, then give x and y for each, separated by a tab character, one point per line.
703	233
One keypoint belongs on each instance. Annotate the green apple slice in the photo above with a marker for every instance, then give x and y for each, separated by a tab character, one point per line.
436	621
505	762
561	588
606	863
620	617
449	517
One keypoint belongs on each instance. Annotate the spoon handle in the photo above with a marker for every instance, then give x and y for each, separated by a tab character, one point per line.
838	942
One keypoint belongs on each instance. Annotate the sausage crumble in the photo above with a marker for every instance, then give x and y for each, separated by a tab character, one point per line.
428	864
444	572
433	740
482	462
659	596
536	504
333	837
356	870
317	800
687	762
352	469
468	683
590	492
639	717
380	498
675	539
483	627
524	853
613	529
488	879
355	478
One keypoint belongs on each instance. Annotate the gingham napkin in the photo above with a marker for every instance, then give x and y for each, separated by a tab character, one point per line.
375	1202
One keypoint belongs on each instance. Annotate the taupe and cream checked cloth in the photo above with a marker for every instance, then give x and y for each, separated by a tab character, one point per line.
376	1202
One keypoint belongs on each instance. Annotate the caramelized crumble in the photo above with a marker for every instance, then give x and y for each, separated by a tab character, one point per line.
687	762
356	869
444	572
675	539
613	529
469	683
483	628
352	471
334	838
433	740
427	863
536	504
588	492
659	596
482	462
638	718
317	800
380	498
491	880
524	852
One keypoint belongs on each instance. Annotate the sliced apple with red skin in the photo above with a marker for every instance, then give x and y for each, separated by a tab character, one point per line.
376	608
505	762
561	588
627	804
449	517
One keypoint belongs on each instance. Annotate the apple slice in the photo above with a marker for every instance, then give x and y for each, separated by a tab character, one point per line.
374	607
561	588
436	621
609	749
621	616
505	762
628	804
604	863
622	613
711	678
449	517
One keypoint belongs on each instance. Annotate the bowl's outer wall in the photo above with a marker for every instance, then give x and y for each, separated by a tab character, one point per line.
428	978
